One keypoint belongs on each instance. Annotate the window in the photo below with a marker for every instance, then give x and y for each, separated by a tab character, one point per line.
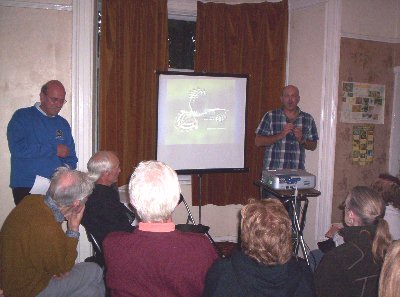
181	43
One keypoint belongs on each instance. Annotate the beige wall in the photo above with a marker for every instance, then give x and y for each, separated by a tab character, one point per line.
369	62
35	47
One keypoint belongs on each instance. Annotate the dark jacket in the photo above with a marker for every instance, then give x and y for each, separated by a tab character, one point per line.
241	276
104	213
349	270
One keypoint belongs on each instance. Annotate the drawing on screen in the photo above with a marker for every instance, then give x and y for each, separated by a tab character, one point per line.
188	120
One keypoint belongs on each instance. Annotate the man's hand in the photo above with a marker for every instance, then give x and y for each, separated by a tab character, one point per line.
262	140
298	133
288	128
74	217
62	151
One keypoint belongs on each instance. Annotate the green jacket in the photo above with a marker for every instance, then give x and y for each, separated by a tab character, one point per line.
33	248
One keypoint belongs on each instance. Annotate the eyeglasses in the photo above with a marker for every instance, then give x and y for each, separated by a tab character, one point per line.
57	100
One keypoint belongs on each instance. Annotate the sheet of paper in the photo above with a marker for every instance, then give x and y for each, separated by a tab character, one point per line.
124	194
41	185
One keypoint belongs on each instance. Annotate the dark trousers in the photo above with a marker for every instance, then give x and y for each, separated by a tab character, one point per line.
19	194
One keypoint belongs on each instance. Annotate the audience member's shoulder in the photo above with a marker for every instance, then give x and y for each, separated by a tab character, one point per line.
31	201
116	236
221	266
341	250
115	240
192	236
299	265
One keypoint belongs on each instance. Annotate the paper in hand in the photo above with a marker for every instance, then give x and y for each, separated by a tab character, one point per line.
41	185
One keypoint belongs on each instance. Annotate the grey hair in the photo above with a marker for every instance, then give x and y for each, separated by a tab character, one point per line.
68	185
154	191
99	163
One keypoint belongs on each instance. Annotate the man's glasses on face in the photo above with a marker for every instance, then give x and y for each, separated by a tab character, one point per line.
56	100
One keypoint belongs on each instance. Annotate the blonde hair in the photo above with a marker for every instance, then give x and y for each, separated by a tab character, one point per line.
389	281
369	206
266	232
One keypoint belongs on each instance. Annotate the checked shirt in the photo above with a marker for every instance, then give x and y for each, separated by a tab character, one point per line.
286	153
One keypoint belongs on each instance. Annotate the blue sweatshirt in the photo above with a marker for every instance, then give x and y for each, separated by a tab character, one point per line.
32	139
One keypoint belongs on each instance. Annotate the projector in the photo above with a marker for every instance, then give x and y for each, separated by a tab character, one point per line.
287	179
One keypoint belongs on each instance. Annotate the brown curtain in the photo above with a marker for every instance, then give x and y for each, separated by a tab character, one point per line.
133	45
247	39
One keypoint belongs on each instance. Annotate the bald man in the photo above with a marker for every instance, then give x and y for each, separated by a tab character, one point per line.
104	212
286	133
39	140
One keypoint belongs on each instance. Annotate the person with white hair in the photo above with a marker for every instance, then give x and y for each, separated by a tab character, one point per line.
37	258
156	259
104	213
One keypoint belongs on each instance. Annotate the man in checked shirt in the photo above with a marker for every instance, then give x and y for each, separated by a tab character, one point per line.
286	133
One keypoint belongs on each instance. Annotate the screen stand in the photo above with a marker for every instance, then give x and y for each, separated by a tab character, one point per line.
200	198
193	227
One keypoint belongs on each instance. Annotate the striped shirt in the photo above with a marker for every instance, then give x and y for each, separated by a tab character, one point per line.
286	153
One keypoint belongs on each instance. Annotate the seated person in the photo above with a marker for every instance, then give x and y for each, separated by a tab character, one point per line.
37	258
389	187
104	213
155	259
389	281
352	269
264	266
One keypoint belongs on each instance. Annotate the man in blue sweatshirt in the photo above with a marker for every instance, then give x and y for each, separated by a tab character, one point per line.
39	140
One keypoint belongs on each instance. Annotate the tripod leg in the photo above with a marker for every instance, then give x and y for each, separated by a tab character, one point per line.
303	248
191	219
219	252
298	227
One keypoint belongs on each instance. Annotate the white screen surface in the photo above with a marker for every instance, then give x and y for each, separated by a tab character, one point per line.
201	121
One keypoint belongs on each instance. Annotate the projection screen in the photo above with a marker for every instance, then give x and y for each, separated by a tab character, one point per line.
201	122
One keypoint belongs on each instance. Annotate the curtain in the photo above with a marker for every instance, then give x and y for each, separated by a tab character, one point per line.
243	39
133	45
